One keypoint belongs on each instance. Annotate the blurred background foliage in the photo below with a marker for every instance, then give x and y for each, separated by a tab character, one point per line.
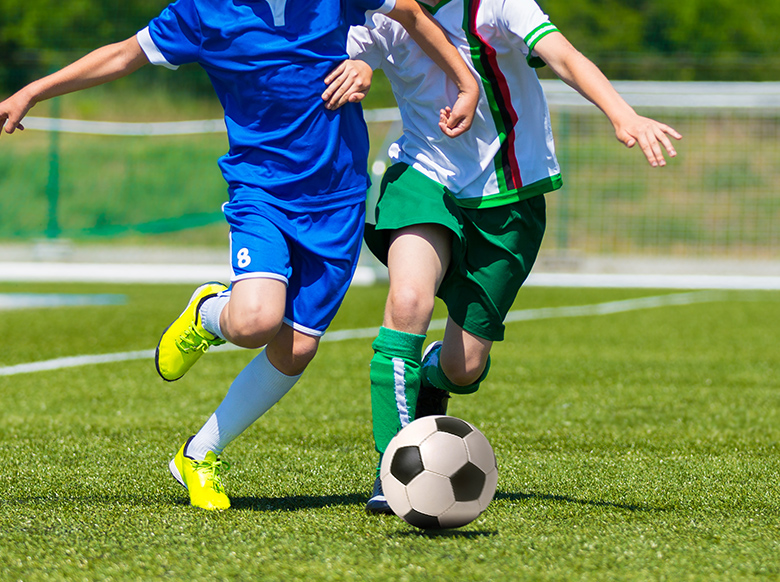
675	40
628	39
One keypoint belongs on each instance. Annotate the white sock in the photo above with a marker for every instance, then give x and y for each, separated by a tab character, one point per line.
210	312
255	390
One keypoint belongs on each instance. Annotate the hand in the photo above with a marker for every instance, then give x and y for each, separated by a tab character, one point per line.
457	120
347	83
12	111
650	135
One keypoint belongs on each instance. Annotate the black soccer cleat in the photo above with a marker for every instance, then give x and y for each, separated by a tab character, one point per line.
431	401
378	505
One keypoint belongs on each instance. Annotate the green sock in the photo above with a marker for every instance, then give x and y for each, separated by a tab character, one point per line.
435	376
395	382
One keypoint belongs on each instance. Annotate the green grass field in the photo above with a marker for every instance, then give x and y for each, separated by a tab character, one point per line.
642	445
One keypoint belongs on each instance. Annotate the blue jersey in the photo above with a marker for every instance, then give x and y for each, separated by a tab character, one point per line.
267	61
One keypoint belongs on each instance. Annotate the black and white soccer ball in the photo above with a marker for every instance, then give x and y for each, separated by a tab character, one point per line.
439	472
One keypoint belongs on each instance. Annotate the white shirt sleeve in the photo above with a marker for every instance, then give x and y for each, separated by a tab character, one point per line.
151	51
387	7
362	45
526	21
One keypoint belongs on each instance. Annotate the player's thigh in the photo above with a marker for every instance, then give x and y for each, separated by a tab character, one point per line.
417	260
409	199
419	254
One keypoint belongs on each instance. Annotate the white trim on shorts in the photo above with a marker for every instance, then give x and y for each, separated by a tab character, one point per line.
259	275
302	328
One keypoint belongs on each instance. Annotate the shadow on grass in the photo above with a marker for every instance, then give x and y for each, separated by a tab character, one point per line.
295	502
443	533
566	499
299	502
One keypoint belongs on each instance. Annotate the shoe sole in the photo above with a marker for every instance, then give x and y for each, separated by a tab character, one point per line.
175	472
157	349
378	507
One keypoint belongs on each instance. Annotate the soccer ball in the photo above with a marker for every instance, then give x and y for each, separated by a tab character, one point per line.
439	472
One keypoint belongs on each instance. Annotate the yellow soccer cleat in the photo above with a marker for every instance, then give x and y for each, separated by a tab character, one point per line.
202	479
185	341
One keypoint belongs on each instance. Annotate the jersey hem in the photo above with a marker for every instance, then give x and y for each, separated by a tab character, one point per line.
541	187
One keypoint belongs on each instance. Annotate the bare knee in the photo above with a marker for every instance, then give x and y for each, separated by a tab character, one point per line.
252	329
254	314
409	309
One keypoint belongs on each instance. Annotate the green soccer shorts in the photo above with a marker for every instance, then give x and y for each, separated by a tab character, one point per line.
493	251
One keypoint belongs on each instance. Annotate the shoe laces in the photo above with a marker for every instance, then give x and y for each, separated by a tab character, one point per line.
212	469
191	340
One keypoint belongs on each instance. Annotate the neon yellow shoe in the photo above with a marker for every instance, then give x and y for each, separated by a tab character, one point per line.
185	341
201	479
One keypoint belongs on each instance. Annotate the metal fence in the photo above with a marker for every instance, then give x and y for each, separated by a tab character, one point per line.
719	198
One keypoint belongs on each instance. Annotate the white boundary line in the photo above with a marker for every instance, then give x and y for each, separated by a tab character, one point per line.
639	281
596	309
56	272
63	272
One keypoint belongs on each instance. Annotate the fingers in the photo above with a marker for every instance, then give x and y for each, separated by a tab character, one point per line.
662	137
335	73
9	126
345	85
653	139
455	122
651	150
449	123
12	111
337	86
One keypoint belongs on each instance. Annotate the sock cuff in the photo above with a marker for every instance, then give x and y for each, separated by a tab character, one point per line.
270	374
399	343
210	312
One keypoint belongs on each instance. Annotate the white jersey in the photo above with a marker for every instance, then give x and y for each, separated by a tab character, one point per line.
508	154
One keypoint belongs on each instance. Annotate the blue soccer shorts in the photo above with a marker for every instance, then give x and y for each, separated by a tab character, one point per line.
314	252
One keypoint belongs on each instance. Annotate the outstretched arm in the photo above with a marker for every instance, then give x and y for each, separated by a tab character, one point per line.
580	73
100	66
427	33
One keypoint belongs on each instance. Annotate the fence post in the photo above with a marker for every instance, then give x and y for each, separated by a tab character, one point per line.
563	207
53	184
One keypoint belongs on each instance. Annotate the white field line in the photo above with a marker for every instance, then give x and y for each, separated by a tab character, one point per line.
596	309
365	275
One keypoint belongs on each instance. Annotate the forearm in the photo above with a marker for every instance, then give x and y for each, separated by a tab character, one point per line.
586	78
427	33
102	65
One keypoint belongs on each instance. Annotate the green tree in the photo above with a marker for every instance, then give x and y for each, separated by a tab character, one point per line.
38	35
675	39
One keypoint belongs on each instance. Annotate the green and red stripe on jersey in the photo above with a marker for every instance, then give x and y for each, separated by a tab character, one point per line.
496	88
